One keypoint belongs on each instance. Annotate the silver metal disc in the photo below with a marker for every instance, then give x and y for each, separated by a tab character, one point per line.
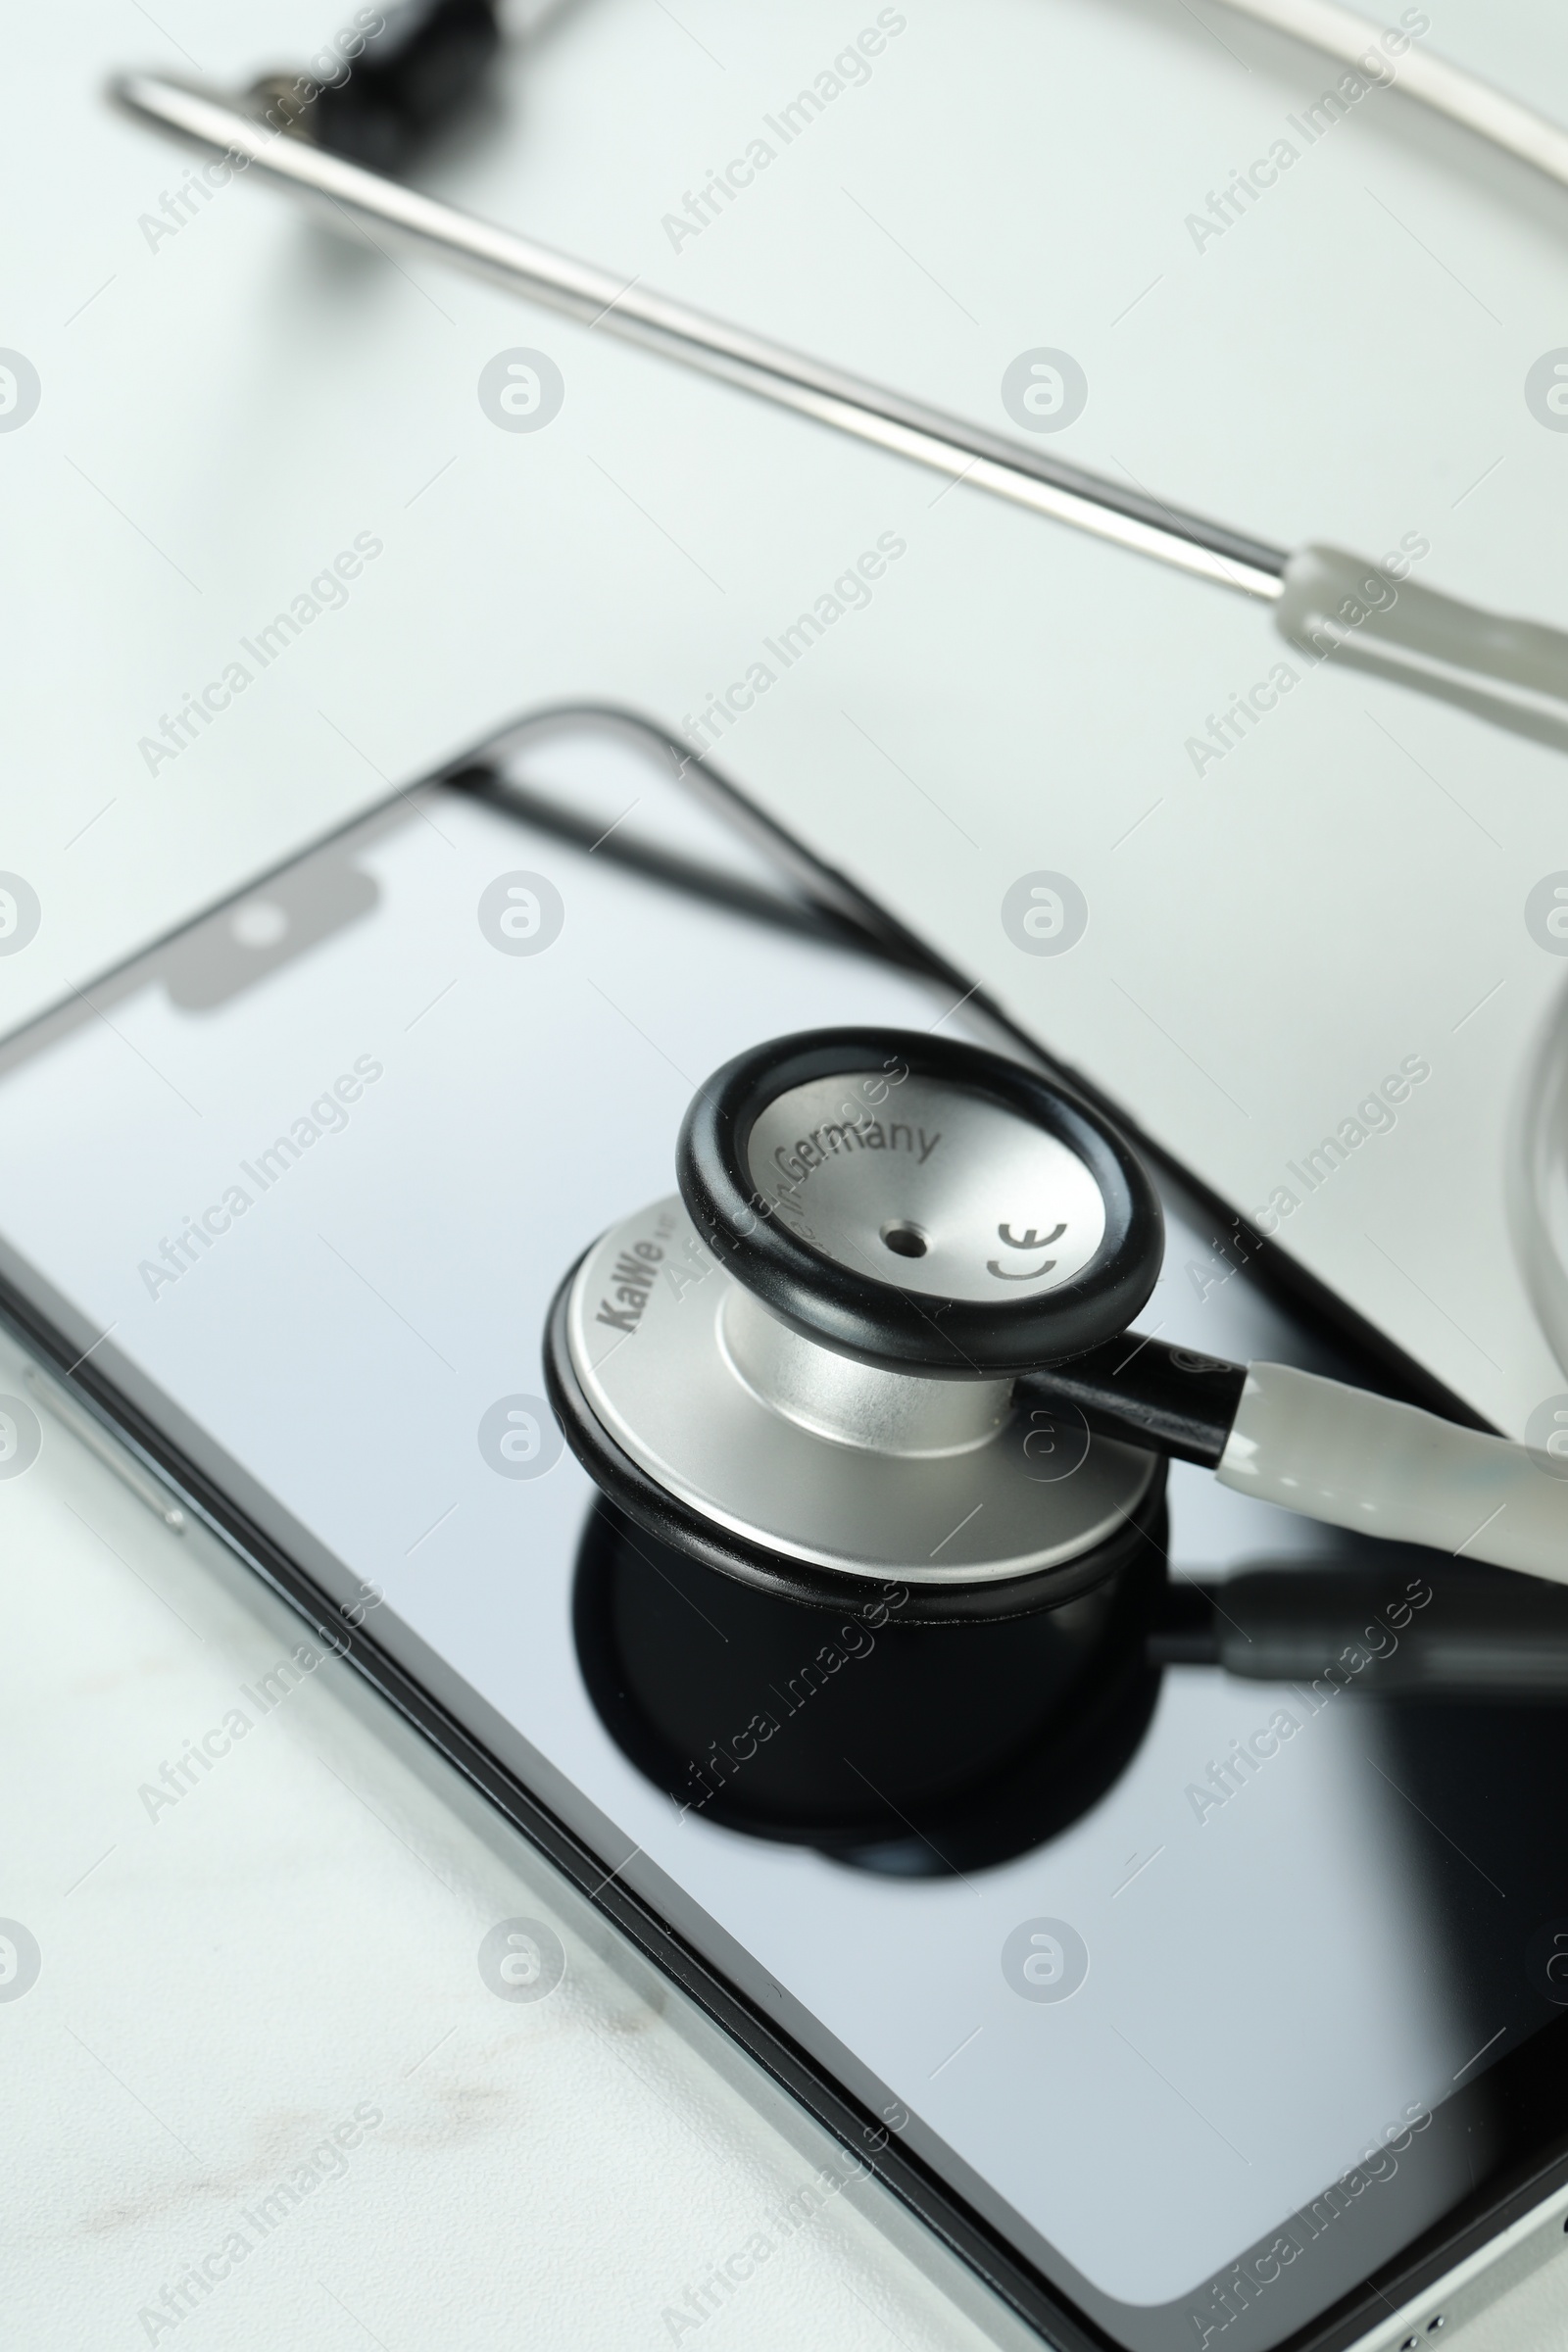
644	1325
937	1188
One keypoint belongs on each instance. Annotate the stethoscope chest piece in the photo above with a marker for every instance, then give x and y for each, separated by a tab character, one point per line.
802	1368
881	1338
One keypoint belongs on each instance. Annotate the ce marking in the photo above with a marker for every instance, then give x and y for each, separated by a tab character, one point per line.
1026	1241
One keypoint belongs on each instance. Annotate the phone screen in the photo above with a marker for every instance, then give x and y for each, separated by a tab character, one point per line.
1212	2002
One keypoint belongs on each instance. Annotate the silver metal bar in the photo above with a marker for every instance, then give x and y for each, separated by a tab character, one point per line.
1130	519
1447	89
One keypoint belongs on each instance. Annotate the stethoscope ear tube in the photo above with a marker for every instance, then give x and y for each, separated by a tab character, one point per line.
1504	669
1362	1461
1338	1454
1513	672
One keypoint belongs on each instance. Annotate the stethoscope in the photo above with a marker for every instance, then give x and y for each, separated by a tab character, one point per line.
1307	1444
881	1336
1326	602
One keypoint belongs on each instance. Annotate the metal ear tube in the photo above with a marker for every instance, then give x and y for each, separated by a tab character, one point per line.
881	1336
1510	670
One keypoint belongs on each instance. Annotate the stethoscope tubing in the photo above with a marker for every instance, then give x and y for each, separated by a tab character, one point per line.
1324	601
1420	75
1129	517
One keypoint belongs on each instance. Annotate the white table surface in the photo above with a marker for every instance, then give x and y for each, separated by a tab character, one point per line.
220	413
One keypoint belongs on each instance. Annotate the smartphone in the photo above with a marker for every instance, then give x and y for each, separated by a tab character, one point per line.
1193	1966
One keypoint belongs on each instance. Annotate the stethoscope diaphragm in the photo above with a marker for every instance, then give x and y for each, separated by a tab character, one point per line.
802	1368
